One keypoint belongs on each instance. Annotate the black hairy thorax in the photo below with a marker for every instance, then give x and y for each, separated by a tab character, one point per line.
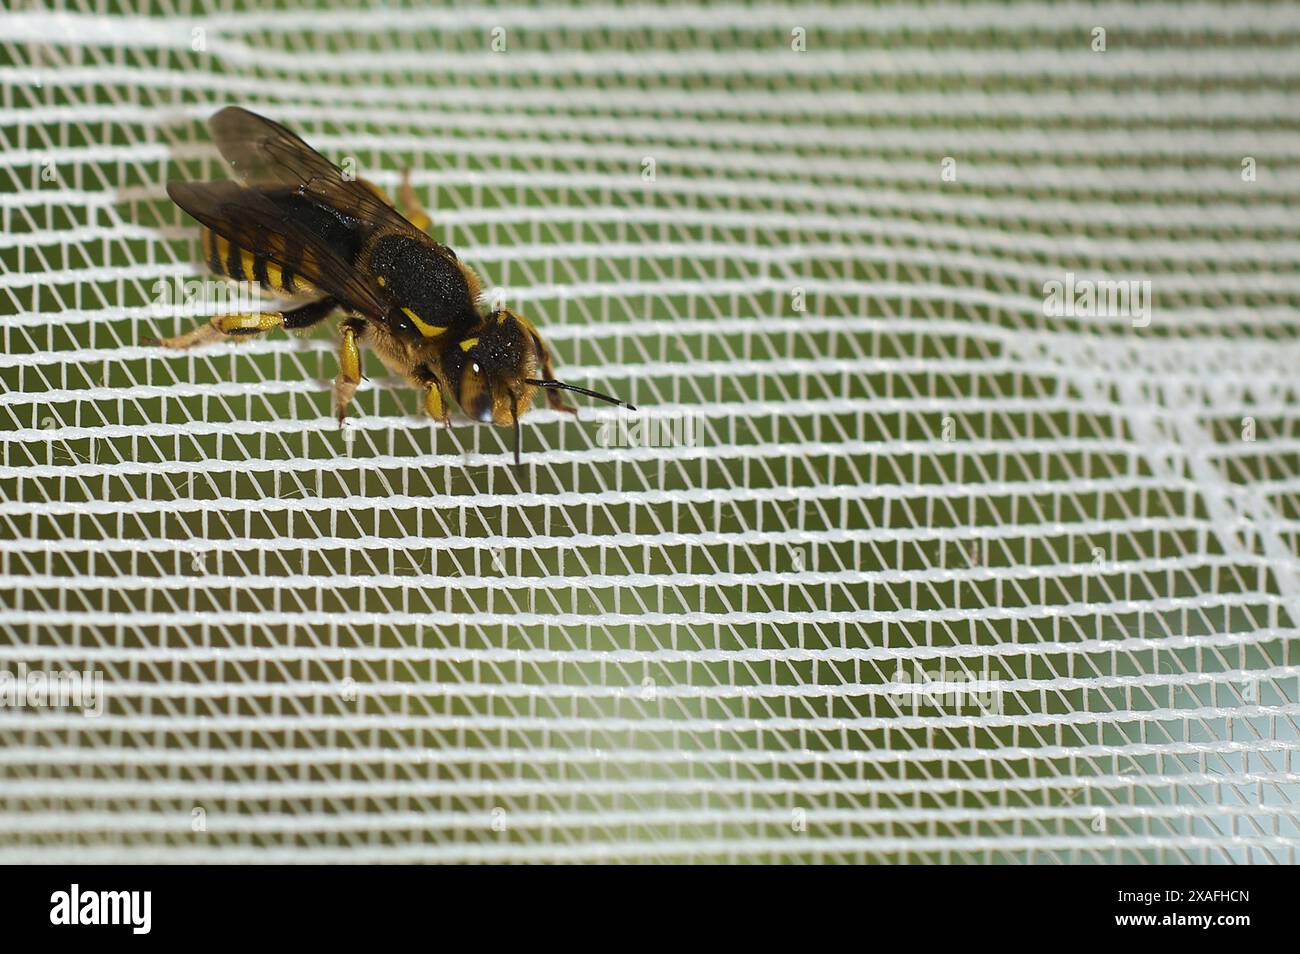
423	280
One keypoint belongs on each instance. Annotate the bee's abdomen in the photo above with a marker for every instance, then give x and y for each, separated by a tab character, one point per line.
227	259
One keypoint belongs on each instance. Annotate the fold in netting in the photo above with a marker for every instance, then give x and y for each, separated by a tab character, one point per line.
957	521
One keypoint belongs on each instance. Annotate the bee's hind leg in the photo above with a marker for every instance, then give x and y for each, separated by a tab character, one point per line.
248	324
407	203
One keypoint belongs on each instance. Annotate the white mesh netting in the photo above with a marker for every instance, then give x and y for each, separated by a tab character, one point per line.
811	243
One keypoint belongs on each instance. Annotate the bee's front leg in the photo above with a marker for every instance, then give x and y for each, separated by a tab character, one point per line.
557	403
553	399
437	402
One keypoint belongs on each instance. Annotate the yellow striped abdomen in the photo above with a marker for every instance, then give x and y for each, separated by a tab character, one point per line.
227	259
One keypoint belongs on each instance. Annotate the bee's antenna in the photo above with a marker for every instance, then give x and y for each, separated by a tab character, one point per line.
560	385
514	417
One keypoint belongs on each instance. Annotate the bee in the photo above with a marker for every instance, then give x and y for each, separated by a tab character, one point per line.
298	225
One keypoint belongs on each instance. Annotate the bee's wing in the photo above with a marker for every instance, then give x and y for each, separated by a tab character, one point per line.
250	219
266	155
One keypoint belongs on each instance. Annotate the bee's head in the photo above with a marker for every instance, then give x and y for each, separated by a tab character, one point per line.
494	371
491	368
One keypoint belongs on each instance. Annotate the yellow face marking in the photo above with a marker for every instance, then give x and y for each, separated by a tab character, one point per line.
426	329
468	343
381	280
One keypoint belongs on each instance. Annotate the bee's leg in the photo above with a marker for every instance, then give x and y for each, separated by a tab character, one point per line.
407	203
437	399
251	323
410	205
345	385
553	399
437	402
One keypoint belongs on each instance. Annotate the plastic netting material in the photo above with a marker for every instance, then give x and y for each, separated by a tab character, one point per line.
911	564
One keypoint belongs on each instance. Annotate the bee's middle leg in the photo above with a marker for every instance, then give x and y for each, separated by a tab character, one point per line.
345	385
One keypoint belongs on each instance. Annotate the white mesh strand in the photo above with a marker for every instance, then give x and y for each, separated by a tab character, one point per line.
386	644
